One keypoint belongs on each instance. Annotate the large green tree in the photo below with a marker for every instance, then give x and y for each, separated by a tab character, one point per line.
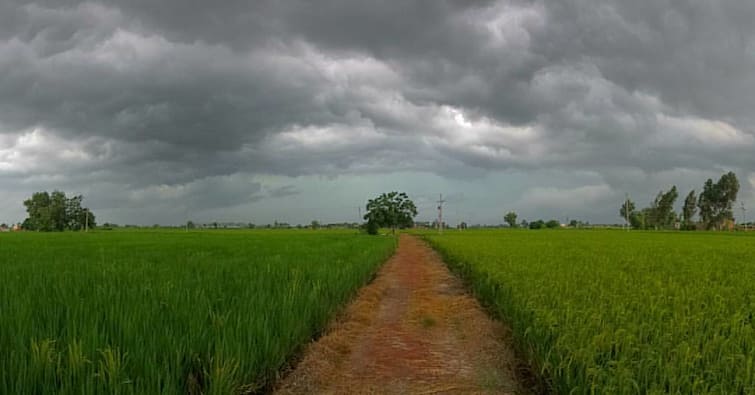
664	208
391	210
716	200
55	212
510	219
705	203
660	214
58	204
38	208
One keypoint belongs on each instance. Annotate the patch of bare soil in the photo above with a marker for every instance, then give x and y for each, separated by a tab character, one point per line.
414	330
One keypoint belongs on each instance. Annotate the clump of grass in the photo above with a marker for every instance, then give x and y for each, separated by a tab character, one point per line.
428	322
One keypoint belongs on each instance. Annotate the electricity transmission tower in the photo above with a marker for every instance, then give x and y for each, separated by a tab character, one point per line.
440	213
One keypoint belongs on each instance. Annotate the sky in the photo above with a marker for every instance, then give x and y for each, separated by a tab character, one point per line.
293	111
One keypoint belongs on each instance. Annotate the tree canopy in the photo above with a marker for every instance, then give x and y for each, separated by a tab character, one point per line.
391	210
716	200
540	224
663	215
55	212
510	219
714	205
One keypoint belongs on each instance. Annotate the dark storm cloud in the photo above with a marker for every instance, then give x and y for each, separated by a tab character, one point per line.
162	98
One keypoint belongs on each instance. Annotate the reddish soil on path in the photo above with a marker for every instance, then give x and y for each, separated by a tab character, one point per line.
414	330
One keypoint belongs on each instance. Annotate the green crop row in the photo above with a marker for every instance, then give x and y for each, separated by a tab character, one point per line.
616	312
169	312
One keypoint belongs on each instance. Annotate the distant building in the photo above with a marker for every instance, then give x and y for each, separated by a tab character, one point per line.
17	228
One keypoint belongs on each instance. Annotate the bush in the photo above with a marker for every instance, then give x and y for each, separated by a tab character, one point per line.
371	227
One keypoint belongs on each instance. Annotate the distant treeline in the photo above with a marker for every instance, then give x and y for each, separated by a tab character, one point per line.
511	220
712	209
236	225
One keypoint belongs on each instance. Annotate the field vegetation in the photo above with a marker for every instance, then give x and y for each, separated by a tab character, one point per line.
168	312
619	312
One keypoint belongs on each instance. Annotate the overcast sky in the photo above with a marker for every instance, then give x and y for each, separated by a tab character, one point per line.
159	111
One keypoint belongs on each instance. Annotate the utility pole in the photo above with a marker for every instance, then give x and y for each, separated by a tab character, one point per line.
440	213
744	215
86	221
360	220
626	212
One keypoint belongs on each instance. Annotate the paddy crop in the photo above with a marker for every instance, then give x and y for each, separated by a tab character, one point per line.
169	312
618	312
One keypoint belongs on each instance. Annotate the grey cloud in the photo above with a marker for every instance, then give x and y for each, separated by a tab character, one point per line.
148	97
283	191
696	56
223	191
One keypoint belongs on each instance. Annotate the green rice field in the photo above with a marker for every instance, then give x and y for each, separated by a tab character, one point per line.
617	312
219	312
168	312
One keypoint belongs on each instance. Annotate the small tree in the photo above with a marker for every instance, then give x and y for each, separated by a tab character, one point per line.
627	211
510	219
393	210
371	227
552	224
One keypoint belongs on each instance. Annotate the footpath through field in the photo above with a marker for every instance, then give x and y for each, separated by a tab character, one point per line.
414	330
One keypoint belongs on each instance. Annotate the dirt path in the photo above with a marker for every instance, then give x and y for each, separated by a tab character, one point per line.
413	330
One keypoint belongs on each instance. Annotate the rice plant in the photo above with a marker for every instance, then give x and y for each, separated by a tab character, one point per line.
148	312
617	312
